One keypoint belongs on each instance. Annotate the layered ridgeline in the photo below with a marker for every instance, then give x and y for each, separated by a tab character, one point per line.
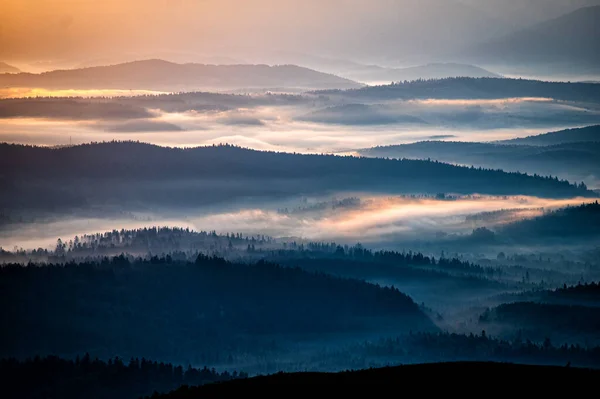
472	88
569	154
207	311
140	107
577	135
168	76
367	73
441	282
125	173
412	272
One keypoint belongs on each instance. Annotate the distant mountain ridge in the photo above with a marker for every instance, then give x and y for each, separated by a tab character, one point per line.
570	154
6	68
163	75
589	134
426	71
571	39
472	88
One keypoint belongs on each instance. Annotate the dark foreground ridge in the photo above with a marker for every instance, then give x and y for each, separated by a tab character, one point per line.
445	375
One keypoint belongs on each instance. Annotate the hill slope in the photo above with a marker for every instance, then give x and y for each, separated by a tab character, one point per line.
168	76
133	173
565	223
450	373
589	134
6	68
569	39
180	310
472	88
574	161
428	71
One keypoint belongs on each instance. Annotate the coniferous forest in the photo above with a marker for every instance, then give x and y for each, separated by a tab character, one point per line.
203	197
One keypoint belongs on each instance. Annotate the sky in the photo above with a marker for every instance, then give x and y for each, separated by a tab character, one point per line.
83	30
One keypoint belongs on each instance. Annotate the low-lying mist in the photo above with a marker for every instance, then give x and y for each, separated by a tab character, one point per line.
360	217
304	124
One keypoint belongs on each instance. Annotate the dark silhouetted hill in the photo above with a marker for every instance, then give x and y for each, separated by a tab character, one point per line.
545	322
190	311
447	375
84	377
586	294
125	173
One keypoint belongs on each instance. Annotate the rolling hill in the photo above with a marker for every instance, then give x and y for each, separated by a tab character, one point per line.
575	161
126	173
184	310
540	321
584	134
470	88
168	76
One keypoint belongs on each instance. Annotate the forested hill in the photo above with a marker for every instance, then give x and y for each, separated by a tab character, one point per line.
570	222
474	88
132	171
450	375
198	312
584	134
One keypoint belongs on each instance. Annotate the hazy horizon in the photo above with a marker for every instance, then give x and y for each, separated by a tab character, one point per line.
50	34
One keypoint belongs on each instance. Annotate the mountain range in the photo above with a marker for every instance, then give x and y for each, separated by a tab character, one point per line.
374	73
569	154
168	76
584	134
568	40
138	174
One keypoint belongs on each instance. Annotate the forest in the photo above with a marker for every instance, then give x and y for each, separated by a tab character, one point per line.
204	197
149	307
569	154
219	174
84	376
473	88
